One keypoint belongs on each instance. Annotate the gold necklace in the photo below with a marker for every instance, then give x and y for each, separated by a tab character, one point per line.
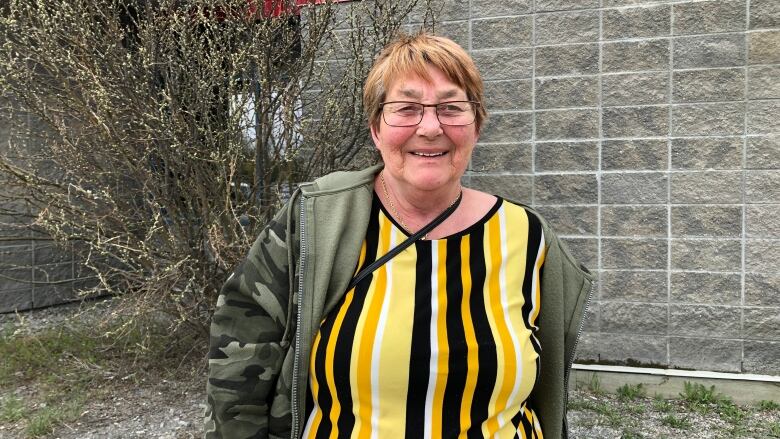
394	211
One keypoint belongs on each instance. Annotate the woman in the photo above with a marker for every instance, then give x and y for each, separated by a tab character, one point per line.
470	330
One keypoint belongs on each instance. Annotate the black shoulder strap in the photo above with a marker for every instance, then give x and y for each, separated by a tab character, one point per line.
407	242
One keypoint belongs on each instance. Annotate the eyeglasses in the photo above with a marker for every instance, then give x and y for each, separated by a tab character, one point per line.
409	114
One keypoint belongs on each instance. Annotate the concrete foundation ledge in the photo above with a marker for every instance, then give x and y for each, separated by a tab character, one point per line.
669	383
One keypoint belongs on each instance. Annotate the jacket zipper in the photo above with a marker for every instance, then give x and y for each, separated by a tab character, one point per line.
299	319
571	360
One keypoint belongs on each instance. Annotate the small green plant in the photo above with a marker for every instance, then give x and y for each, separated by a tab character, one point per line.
594	385
675	422
11	409
44	420
768	405
628	392
661	404
729	411
696	393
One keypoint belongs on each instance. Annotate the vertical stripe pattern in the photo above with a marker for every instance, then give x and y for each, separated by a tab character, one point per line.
437	343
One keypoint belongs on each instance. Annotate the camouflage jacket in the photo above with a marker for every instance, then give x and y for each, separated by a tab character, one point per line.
269	310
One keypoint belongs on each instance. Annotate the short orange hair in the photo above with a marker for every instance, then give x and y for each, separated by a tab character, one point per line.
412	54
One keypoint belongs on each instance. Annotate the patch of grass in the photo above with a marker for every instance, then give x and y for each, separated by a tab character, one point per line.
11	409
629	433
637	409
594	385
675	422
628	392
43	421
730	412
768	405
580	405
774	429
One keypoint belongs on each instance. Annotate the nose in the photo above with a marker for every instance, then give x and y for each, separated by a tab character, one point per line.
429	126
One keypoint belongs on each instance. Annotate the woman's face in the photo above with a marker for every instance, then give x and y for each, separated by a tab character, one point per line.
428	156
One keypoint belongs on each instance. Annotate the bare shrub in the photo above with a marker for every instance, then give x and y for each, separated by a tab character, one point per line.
157	136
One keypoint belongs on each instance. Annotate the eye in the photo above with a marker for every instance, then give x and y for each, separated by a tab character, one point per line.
405	108
449	108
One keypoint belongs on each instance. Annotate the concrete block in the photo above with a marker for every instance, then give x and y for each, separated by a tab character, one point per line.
762	220
567	124
15	300
723	50
634	56
635	88
710	255
508	95
565	189
634	188
490	8
627	221
634	286
705	354
761	357
634	318
53	272
709	187
764	82
761	256
707	153
708	85
15	256
575	59
763	152
706	288
762	323
566	156
708	119
512	157
51	253
624	349
15	279
567	27
614	3
646	154
762	186
443	10
764	14
639	22
514	187
762	117
710	17
512	63
705	321
571	220
563	5
762	289
707	221
635	121
623	253
762	47
457	31
507	128
501	32
53	295
567	92
584	250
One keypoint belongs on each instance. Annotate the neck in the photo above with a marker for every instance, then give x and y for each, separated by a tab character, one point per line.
416	208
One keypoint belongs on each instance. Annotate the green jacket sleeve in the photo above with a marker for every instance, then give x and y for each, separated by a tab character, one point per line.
249	340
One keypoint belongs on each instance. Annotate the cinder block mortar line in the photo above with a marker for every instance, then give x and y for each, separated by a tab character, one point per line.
743	193
498	17
533	101
599	165
670	121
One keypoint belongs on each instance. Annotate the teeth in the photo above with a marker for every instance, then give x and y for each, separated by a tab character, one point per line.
427	154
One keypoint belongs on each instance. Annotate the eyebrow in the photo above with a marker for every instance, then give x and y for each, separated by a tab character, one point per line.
414	94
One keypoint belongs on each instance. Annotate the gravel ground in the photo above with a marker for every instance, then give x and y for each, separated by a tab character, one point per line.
172	409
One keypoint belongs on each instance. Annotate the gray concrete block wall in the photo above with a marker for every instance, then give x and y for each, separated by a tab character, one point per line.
648	133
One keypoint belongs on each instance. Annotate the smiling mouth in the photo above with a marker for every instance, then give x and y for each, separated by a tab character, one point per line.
429	154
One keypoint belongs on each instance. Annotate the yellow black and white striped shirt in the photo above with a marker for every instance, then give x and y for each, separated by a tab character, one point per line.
438	342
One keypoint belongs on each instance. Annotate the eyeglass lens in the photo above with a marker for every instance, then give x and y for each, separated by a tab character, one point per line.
404	114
